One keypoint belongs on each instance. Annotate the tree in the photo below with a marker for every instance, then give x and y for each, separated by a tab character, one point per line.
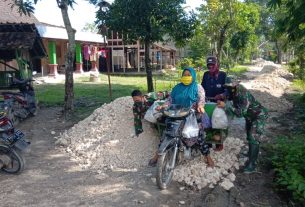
199	44
149	21
222	20
26	7
246	21
90	27
292	23
216	18
239	41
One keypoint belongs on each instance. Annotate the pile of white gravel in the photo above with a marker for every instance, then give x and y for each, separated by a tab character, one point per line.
106	141
196	173
269	86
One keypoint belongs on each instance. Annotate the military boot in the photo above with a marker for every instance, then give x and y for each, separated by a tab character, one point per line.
253	155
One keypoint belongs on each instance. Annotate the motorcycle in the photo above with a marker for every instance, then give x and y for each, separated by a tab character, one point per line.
176	147
20	105
173	144
12	145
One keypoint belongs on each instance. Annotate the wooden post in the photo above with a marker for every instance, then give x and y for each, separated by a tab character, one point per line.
161	57
124	59
112	65
138	43
174	59
108	68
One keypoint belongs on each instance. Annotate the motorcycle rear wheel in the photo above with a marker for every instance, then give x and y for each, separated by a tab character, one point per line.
17	163
164	172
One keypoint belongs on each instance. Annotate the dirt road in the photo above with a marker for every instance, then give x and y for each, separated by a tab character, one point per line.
51	178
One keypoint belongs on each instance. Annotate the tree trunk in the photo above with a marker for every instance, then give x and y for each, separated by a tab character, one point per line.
236	55
222	38
150	86
69	92
279	52
302	66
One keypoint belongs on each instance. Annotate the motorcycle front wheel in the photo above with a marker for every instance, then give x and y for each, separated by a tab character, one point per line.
17	161
12	117
164	170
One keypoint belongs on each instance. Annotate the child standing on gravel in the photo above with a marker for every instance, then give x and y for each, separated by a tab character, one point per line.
139	108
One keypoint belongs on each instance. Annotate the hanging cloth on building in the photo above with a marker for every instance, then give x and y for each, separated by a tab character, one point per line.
86	51
103	53
93	53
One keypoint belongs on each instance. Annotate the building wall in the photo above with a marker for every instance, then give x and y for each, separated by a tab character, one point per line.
12	63
61	51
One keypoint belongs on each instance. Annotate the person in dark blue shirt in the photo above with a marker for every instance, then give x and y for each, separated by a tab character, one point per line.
213	81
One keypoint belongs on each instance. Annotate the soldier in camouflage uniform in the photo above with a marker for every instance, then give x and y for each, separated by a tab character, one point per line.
245	105
139	108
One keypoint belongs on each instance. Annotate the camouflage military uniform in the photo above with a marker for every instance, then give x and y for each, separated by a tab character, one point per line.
139	109
245	105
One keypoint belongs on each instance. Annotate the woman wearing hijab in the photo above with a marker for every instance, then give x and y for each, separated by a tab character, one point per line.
189	94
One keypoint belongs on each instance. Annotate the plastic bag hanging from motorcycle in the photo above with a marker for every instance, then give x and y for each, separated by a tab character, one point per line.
191	128
219	119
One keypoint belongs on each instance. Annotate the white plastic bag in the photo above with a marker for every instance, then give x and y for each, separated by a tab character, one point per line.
219	119
152	114
191	128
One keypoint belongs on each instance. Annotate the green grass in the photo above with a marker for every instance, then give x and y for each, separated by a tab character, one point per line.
53	94
89	96
287	152
299	95
299	85
237	71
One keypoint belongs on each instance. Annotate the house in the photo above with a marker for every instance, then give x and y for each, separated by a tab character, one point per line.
20	44
55	38
92	51
130	57
95	53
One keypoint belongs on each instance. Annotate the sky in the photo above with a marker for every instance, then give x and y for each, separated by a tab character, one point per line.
47	11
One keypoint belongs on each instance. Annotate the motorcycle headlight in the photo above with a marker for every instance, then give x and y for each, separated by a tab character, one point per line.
172	128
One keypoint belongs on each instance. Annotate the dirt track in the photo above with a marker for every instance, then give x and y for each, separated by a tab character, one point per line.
52	179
